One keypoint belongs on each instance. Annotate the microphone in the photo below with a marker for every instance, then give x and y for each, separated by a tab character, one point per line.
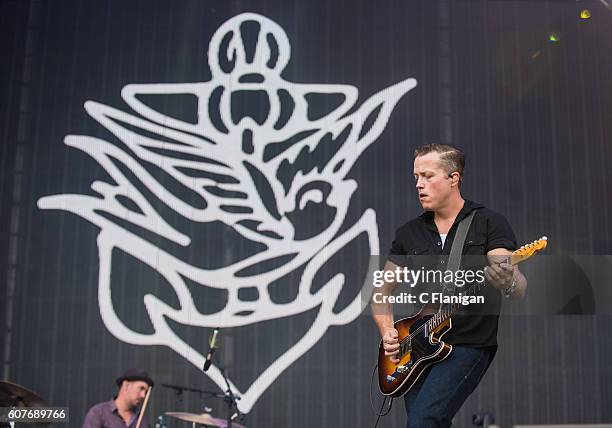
211	349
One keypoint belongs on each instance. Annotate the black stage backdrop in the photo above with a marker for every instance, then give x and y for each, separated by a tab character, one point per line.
253	164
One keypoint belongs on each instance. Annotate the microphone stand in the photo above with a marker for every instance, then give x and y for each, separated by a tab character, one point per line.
179	389
230	398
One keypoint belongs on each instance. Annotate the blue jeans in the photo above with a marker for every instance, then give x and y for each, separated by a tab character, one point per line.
438	395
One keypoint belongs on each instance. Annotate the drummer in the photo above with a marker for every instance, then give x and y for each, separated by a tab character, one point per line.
123	411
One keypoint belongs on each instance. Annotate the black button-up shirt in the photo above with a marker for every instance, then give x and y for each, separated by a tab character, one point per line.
472	325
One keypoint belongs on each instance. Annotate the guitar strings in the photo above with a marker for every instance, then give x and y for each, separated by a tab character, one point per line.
422	326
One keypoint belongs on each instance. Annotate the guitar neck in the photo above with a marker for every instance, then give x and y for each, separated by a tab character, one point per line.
518	256
448	309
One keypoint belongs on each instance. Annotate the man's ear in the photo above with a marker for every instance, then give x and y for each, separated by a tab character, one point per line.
456	178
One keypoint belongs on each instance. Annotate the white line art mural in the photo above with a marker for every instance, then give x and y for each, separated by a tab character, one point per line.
236	167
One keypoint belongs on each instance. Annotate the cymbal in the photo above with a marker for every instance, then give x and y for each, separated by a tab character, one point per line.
202	419
13	395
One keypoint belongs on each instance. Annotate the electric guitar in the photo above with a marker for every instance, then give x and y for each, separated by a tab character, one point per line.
420	336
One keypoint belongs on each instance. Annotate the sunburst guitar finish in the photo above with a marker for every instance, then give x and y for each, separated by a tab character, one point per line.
419	349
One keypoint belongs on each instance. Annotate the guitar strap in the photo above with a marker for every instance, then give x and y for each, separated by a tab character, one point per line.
454	259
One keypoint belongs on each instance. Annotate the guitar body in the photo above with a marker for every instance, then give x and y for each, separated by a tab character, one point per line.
419	349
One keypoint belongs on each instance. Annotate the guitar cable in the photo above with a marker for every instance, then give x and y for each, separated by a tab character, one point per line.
380	412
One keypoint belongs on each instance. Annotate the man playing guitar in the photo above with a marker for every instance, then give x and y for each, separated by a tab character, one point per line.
439	392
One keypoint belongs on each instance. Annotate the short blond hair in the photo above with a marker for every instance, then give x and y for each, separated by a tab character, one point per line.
451	158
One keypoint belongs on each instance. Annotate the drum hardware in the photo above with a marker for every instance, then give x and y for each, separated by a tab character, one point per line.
14	395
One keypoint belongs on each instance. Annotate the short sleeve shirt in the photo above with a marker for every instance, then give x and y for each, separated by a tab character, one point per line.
471	325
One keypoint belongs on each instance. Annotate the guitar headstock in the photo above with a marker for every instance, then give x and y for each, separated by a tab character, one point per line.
528	250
